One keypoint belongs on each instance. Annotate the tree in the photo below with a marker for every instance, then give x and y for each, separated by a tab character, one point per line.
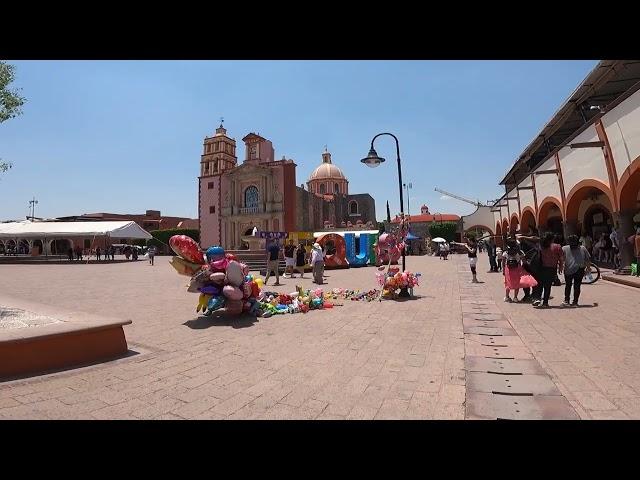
161	237
10	100
446	230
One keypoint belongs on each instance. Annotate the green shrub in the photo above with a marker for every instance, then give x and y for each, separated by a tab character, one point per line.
161	237
446	230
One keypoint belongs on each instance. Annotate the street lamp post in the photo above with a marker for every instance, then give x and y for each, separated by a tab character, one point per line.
32	204
408	186
373	160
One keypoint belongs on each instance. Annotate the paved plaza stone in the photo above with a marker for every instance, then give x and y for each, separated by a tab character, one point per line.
378	360
11	318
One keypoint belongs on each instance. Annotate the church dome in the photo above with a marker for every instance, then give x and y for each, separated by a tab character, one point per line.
327	171
327	178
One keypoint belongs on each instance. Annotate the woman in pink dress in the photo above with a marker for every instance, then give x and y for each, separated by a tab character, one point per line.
515	276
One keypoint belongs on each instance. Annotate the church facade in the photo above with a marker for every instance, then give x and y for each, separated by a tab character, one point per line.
262	192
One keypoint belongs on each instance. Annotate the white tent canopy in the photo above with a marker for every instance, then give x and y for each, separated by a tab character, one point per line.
53	230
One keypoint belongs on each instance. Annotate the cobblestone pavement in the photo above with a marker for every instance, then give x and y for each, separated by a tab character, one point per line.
18	318
360	360
356	361
592	353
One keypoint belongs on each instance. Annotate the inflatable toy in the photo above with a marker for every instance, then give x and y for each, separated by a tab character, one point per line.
184	267
234	273
187	248
232	292
215	253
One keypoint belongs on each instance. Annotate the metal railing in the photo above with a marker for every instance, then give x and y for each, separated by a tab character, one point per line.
249	210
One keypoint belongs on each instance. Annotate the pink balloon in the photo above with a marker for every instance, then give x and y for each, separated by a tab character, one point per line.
232	293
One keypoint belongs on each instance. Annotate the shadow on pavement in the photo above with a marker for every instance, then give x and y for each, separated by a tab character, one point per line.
221	320
560	307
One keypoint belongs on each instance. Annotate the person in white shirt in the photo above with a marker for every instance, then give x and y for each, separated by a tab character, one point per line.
317	263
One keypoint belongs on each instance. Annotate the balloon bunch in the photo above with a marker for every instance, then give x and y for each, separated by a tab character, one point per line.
222	281
393	280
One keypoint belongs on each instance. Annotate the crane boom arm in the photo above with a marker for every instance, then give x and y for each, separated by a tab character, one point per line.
462	199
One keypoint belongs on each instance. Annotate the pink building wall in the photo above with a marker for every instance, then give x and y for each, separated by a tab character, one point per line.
209	222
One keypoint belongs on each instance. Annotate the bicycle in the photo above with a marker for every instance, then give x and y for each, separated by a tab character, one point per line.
591	275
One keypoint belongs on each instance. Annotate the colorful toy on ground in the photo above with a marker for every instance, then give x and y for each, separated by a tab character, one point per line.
225	284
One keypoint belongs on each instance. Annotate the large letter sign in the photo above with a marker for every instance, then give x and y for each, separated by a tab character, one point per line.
357	259
337	259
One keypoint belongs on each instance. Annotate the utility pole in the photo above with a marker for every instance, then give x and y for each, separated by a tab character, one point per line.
408	186
32	205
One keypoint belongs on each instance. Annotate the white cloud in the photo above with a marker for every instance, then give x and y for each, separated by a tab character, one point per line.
445	197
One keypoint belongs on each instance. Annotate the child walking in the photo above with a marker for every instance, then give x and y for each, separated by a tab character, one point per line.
515	276
499	258
472	253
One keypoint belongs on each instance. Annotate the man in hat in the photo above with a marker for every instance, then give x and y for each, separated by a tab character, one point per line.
317	263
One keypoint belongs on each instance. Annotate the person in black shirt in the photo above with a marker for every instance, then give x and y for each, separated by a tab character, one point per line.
491	251
301	259
289	252
272	257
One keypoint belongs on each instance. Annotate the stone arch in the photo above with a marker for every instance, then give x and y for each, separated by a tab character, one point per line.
37	243
629	186
59	246
479	227
499	234
514	223
587	223
528	220
547	205
24	246
580	192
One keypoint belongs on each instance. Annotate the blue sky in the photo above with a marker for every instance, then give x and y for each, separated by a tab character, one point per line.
127	136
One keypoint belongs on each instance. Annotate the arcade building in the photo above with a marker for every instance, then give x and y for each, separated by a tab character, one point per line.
581	173
262	193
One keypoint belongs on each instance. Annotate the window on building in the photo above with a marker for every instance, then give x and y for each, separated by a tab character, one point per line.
210	185
323	188
212	209
336	188
206	168
353	207
251	197
87	243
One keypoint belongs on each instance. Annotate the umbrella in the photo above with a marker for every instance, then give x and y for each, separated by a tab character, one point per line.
438	240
